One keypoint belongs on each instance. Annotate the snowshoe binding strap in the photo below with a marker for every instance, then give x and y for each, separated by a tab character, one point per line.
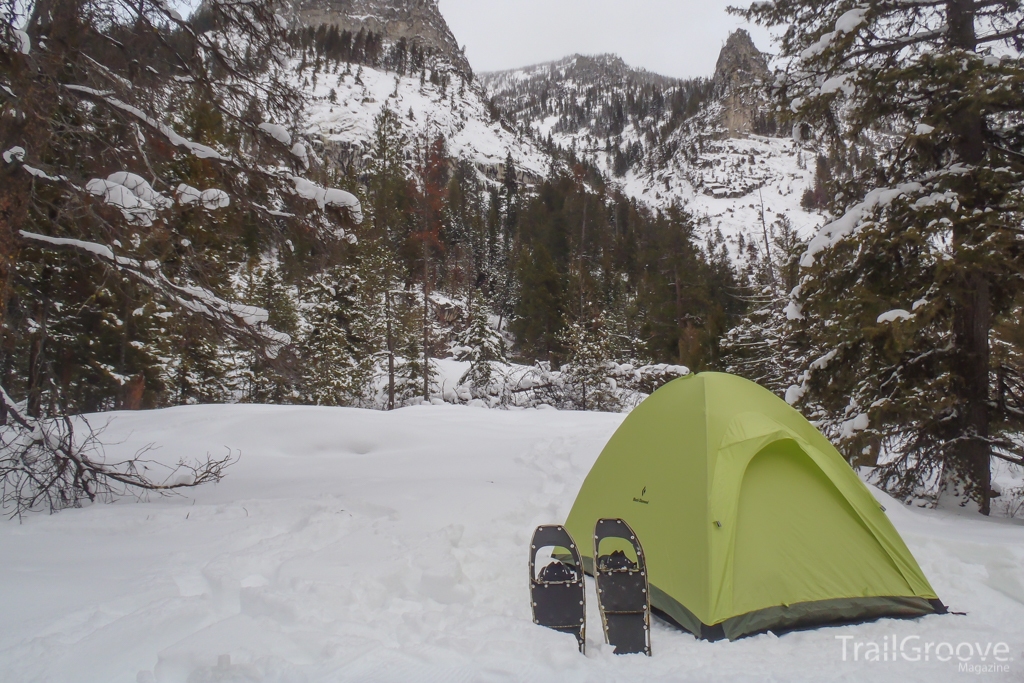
616	562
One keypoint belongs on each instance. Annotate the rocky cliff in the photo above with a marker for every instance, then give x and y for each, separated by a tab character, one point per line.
739	76
415	20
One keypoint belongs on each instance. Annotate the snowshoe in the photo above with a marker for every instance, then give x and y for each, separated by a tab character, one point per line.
557	593
622	591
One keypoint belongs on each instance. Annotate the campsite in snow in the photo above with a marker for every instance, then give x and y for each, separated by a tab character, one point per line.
350	545
446	340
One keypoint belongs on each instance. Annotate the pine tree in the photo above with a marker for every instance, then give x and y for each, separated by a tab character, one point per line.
336	355
587	377
901	294
482	346
199	370
764	347
508	210
263	380
389	203
432	171
413	369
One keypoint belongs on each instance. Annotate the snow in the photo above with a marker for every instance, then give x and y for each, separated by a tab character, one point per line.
794	311
24	42
14	153
188	194
307	189
190	298
279	133
851	20
725	190
856	424
140	187
215	199
199	150
130	193
721	187
90	247
723	180
894	315
351	545
299	150
819	46
39	173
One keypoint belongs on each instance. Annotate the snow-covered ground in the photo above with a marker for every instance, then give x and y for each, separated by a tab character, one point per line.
352	545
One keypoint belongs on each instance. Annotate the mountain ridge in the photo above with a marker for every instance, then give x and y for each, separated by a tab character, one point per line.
709	143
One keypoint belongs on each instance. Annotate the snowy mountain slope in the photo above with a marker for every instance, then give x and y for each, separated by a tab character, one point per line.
706	143
351	545
345	126
725	180
415	67
606	70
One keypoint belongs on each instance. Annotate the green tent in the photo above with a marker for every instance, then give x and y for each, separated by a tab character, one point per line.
750	519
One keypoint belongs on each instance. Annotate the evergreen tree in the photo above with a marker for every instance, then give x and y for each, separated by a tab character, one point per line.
389	195
413	369
432	172
763	347
539	307
507	231
902	293
686	294
588	377
198	371
482	346
263	380
337	362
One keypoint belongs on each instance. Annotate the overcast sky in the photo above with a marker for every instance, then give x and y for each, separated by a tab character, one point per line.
671	37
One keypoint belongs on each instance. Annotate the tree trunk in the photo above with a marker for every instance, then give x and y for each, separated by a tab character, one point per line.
972	326
426	323
12	215
679	318
132	393
37	363
391	347
972	308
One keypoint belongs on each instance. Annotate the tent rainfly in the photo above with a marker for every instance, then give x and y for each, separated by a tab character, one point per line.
751	521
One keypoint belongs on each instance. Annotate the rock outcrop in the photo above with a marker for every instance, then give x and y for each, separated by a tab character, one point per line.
741	72
415	20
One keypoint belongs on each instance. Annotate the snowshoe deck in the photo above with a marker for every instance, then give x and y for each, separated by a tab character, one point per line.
622	591
558	593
